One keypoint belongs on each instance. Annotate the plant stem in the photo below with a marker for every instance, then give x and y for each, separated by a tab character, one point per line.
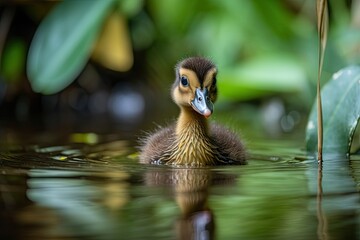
322	24
320	121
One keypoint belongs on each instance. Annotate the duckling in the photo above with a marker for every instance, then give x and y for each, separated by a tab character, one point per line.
192	141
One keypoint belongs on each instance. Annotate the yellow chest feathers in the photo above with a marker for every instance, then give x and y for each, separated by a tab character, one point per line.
192	147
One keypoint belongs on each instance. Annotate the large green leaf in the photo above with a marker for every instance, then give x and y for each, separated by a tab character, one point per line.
341	112
261	76
62	43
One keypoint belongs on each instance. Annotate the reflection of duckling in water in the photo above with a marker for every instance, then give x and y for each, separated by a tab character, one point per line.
190	187
191	141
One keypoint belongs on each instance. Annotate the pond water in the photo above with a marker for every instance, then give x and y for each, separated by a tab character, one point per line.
100	191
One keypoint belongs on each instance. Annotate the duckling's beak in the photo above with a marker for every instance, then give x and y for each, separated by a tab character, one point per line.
202	103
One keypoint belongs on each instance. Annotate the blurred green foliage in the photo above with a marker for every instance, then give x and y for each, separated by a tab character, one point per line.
62	44
14	65
261	47
246	39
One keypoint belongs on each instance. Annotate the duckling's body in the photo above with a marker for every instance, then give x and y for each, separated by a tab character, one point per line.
191	141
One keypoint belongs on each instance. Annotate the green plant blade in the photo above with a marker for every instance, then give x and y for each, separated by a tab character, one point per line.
62	43
341	113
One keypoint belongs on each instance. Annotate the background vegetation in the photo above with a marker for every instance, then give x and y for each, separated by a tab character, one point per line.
116	56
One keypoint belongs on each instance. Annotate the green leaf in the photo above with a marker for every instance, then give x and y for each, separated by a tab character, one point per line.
174	17
13	60
262	76
130	7
62	43
341	112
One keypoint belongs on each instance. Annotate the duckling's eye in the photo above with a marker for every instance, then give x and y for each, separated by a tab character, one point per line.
184	81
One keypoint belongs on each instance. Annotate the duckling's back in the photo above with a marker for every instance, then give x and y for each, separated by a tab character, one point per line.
154	145
229	146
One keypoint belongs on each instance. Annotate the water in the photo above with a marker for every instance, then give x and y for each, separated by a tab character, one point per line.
99	191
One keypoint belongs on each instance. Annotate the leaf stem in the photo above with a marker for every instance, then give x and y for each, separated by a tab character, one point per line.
322	24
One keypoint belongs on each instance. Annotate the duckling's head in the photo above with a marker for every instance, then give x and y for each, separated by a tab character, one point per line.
195	85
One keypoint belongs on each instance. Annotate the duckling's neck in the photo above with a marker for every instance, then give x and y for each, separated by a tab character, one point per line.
194	146
190	121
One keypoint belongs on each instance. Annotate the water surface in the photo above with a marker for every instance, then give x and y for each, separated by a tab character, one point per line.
100	191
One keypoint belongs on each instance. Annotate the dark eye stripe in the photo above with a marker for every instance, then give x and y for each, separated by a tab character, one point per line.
214	81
